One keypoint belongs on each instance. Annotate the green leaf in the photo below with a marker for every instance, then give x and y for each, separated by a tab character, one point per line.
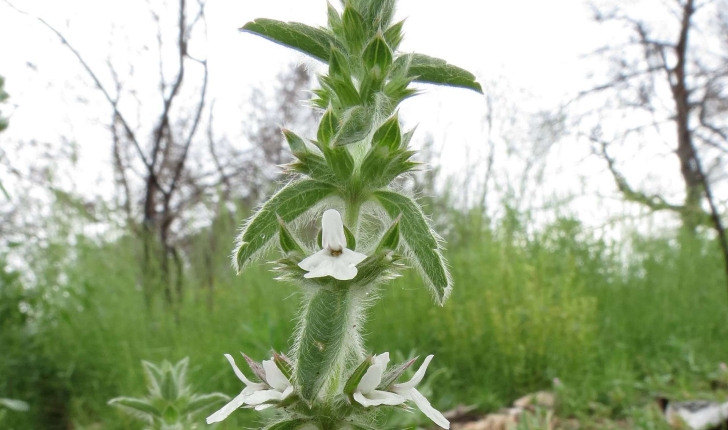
287	425
170	390
388	134
421	241
333	16
371	84
154	376
364	427
180	374
407	137
295	142
171	415
324	325
394	35
343	88
355	126
14	405
289	203
313	41
390	238
436	71
313	166
283	365
381	166
350	239
354	30
199	402
340	162
287	241
377	53
339	64
376	13
356	375
328	127
141	406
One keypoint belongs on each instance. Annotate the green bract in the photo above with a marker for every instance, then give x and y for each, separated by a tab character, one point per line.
358	151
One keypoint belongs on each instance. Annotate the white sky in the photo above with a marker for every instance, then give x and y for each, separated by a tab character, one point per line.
536	45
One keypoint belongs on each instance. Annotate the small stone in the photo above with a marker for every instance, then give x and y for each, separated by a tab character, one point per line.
542	399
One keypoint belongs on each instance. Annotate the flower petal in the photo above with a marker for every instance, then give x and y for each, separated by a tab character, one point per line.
428	410
371	379
332	231
343	271
263	406
376	398
382	359
274	377
287	392
415	379
312	262
237	370
228	409
352	257
263	396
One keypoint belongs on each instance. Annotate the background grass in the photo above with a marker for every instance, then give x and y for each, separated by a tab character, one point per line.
616	323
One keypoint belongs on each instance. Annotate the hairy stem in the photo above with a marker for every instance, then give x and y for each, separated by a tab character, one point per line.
328	336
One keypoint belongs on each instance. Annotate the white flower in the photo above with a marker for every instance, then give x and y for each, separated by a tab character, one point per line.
335	259
409	392
276	387
366	393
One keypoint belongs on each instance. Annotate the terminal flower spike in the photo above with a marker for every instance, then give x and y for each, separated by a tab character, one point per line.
335	259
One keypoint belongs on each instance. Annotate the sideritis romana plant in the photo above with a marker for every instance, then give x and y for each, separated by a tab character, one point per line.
345	176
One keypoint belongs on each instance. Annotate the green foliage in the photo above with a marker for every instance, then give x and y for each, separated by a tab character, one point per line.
355	377
651	326
436	71
170	402
14	405
288	203
421	241
313	41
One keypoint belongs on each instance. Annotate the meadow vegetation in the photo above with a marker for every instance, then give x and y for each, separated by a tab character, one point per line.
617	323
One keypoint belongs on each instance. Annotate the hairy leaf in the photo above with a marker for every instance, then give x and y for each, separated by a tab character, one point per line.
287	425
354	29
422	242
436	71
199	402
356	375
313	41
138	406
377	53
289	203
355	126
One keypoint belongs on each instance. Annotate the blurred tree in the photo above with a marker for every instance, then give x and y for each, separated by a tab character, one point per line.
3	125
3	96
171	176
670	81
